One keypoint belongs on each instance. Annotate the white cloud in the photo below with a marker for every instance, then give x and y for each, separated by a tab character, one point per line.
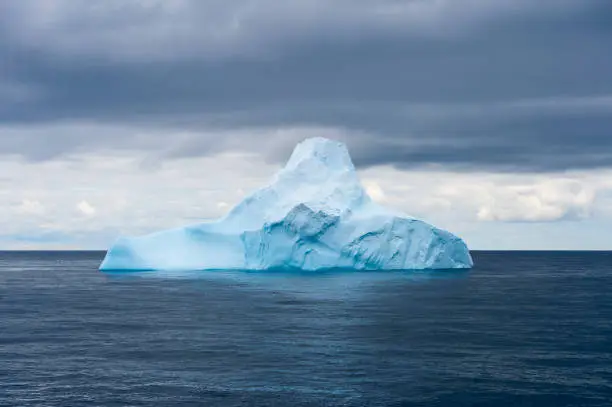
30	207
86	208
374	190
446	198
542	202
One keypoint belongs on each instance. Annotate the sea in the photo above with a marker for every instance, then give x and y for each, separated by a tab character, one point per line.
519	329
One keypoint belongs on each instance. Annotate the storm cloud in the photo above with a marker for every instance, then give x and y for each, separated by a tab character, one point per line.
511	86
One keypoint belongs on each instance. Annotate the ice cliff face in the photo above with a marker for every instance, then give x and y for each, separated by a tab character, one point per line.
313	215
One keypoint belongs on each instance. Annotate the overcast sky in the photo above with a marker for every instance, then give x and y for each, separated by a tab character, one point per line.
490	118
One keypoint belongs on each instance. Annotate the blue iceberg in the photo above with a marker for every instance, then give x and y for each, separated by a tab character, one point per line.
313	215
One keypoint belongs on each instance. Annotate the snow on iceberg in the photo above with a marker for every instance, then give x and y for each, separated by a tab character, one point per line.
314	215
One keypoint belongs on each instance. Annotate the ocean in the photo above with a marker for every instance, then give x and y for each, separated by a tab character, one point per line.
520	329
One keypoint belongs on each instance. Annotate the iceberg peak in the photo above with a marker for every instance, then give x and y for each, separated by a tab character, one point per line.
319	151
313	215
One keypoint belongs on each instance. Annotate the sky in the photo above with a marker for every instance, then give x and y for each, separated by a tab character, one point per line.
489	118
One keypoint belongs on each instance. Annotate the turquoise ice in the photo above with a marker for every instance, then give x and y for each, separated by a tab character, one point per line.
313	215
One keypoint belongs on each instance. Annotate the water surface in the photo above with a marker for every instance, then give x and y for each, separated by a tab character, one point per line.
520	329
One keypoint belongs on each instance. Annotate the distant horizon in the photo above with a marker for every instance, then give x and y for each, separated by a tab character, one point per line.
471	250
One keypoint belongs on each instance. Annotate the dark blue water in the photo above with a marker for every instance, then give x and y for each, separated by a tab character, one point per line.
520	329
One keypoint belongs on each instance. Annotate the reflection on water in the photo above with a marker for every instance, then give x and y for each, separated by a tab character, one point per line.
280	275
332	282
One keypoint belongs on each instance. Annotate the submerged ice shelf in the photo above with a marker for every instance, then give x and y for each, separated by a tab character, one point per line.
313	215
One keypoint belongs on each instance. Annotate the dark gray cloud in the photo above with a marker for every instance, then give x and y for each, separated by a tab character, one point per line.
512	86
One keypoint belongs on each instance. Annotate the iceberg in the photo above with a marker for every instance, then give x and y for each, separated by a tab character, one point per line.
313	215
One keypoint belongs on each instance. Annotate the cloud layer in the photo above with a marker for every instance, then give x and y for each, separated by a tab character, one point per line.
117	30
506	85
88	200
437	93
